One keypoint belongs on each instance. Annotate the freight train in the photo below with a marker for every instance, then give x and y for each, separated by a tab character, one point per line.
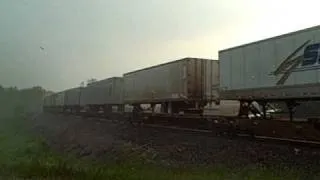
250	80
182	86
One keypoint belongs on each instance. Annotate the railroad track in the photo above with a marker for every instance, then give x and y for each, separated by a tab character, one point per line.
223	133
288	141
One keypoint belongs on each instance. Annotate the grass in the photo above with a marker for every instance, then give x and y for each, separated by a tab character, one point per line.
24	156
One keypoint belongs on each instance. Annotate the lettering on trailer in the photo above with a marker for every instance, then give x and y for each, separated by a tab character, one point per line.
309	60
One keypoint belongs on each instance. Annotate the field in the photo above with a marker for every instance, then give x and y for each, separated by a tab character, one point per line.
26	155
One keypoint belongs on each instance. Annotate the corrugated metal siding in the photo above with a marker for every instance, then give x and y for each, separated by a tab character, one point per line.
51	100
46	101
59	99
184	79
203	79
155	84
92	94
250	67
108	91
71	97
54	100
192	78
210	79
118	89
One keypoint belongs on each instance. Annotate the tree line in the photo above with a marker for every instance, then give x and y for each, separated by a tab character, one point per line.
14	100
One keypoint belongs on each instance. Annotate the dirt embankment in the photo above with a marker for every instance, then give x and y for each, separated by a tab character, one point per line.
87	137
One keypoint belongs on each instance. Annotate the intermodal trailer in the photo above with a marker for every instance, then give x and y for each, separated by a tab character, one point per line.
184	82
72	99
59	101
47	102
105	94
279	68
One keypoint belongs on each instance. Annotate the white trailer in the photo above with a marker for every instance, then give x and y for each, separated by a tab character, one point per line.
105	94
59	99
285	68
282	67
184	82
72	99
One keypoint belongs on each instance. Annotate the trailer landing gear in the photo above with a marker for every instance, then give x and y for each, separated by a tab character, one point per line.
291	104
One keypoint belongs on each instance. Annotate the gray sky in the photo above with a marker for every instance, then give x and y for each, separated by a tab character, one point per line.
102	38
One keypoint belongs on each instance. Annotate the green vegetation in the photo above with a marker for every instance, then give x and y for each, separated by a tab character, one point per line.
15	101
24	156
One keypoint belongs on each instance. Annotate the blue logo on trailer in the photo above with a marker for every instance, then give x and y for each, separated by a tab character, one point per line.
311	56
309	60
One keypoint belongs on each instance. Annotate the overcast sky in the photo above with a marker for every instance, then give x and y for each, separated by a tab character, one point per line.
85	39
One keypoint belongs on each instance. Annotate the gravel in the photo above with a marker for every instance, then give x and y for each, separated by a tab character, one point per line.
88	137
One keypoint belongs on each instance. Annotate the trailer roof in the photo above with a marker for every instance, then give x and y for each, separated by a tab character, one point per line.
274	37
166	64
103	80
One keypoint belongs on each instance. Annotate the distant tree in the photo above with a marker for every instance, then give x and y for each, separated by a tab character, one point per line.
13	88
82	84
1	92
90	81
37	88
